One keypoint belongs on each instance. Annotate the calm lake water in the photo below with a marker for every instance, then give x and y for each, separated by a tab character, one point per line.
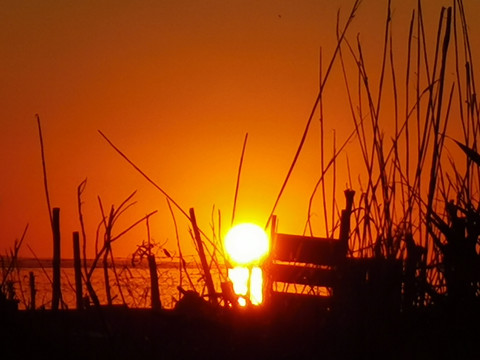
132	286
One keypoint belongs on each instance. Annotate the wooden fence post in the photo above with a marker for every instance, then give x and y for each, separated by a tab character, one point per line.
77	265
154	291
56	291
32	291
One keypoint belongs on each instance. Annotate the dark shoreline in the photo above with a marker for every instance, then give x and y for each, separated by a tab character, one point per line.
122	333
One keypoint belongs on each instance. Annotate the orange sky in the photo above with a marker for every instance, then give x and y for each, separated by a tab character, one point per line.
176	85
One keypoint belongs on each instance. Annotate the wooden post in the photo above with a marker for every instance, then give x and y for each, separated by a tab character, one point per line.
345	219
77	265
268	287
106	277
155	293
206	269
56	291
32	291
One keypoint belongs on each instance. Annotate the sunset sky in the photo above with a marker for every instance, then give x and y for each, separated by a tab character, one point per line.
175	85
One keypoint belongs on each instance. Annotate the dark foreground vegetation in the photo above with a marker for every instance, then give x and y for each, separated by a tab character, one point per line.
119	333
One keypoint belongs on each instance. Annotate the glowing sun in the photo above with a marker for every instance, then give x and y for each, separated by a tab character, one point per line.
247	244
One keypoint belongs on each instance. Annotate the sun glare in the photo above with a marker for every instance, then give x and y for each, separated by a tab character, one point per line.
247	245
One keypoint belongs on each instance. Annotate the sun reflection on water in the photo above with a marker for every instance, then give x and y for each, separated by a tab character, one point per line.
247	245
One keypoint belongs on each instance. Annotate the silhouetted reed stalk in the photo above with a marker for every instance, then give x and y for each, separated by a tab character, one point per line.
85	277
314	109
217	240
40	264
205	266
182	262
145	176
321	180
322	159
80	190
44	168
237	186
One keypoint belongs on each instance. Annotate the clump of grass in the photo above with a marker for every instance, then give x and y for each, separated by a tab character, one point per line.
10	276
414	191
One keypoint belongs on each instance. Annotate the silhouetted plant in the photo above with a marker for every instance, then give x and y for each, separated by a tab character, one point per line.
9	264
106	251
404	210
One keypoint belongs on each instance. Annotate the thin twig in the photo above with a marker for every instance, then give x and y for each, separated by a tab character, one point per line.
237	186
44	167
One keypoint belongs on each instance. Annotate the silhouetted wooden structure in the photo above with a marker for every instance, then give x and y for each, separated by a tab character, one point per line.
321	274
308	262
